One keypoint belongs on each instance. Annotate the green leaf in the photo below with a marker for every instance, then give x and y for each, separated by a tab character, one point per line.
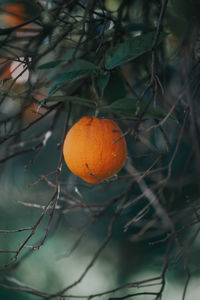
130	106
54	89
124	105
115	89
77	69
130	49
41	104
74	99
70	53
55	63
103	79
50	64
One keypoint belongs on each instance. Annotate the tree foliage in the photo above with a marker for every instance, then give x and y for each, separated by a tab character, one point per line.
136	62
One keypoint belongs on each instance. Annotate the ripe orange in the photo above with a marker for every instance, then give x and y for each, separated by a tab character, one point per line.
95	149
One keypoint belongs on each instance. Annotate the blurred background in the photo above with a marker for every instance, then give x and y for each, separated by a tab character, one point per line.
135	235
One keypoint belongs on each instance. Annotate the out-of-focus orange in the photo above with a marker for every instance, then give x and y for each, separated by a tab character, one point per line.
31	112
13	14
13	70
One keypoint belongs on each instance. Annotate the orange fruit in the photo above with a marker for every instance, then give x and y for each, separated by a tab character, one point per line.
14	14
94	149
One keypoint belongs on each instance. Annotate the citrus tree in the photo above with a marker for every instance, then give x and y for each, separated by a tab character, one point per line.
100	149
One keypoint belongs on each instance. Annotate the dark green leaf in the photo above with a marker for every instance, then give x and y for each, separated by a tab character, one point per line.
50	64
130	106
53	64
115	88
70	54
54	89
41	104
75	70
103	79
124	105
130	49
74	99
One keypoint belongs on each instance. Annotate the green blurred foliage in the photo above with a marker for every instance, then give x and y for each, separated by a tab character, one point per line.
99	59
